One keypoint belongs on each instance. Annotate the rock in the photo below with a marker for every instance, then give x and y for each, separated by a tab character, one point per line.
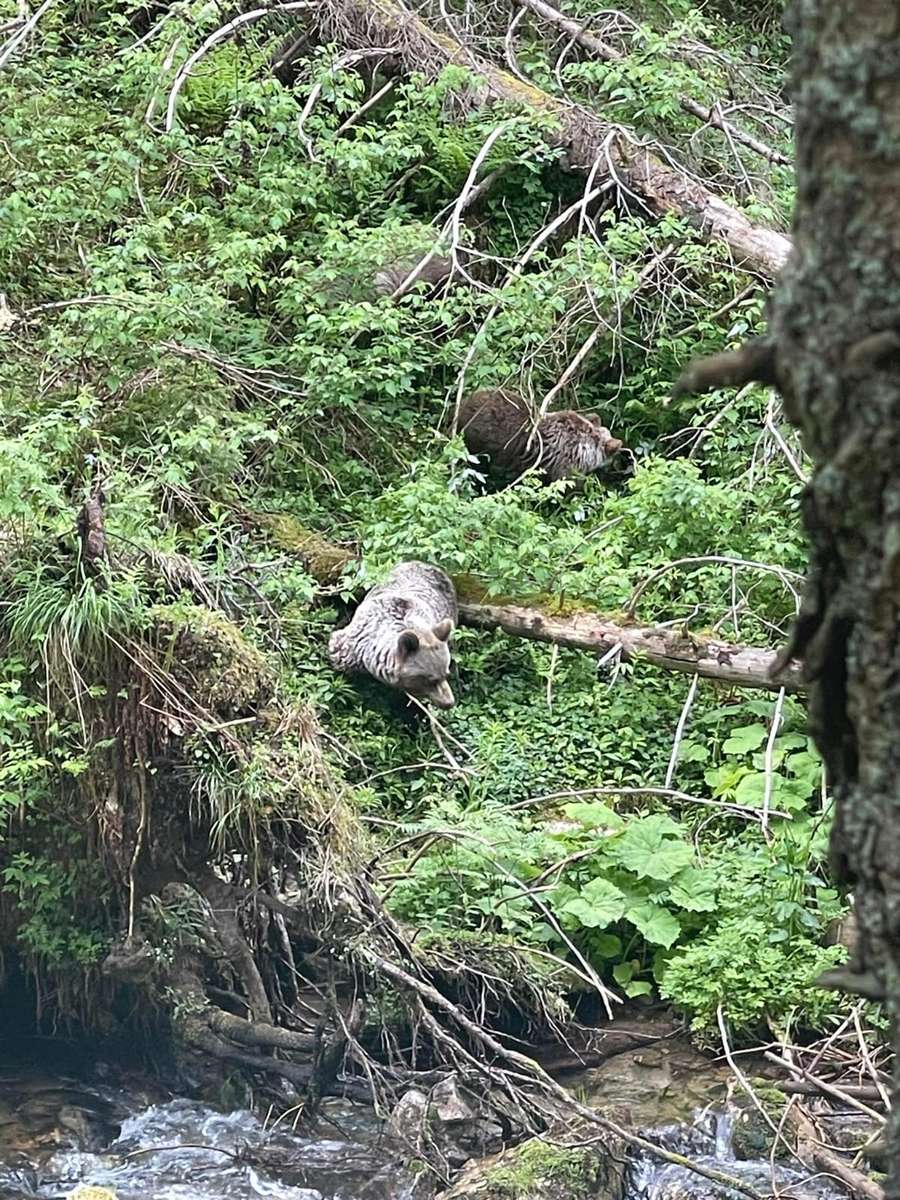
539	1170
448	1119
447	1103
408	1120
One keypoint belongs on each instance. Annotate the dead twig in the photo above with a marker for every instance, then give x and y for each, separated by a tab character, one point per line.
219	35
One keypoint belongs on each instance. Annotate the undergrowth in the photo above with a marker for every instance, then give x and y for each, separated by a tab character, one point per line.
190	320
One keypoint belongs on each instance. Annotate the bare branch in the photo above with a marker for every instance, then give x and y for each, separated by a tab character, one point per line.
709	116
220	35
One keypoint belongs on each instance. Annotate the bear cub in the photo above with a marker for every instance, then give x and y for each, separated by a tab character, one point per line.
400	634
498	423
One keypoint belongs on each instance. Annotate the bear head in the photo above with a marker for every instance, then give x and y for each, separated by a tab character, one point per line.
423	664
609	445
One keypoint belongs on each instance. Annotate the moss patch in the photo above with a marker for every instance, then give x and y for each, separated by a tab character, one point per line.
539	1170
324	560
210	657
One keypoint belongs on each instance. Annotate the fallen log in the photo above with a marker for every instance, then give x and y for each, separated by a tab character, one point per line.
740	666
590	143
671	649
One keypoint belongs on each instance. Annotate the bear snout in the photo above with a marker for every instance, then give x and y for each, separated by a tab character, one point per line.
442	696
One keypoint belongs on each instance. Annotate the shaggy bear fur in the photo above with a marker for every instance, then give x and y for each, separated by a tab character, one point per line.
400	634
499	424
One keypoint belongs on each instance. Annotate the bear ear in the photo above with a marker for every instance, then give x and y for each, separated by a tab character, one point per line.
407	643
443	630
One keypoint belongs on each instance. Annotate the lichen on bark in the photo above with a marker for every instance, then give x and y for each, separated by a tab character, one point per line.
839	292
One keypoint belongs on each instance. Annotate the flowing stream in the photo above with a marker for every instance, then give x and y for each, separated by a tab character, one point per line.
709	1141
57	1131
55	1135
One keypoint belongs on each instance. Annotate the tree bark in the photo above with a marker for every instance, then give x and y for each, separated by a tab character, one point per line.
833	329
587	140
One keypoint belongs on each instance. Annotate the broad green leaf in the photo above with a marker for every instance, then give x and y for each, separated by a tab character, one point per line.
751	789
623	972
789	795
793	741
600	904
647	849
655	924
637	987
694	890
693	752
606	945
744	739
594	816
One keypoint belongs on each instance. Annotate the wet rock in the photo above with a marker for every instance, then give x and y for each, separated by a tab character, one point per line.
541	1170
660	1084
448	1119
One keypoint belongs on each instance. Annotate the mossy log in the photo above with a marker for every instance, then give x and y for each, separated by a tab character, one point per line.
671	649
586	139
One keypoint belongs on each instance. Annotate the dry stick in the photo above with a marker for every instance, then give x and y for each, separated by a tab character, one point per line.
532	249
509	48
166	67
745	1084
742	810
679	731
584	968
554	657
862	1091
769	763
138	846
728	560
462	202
483	185
781	443
364	108
828	1088
536	1074
339	64
469	185
223	32
867	1058
642	278
16	40
709	116
825	1160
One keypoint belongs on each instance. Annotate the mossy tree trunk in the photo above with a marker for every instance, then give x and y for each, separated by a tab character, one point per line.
835	331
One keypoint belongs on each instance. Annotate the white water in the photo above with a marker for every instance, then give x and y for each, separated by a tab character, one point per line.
709	1143
182	1150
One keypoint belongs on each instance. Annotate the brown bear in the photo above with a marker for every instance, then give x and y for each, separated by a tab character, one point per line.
400	633
498	423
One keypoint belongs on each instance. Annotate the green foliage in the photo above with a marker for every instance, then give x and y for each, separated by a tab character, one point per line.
57	926
22	767
739	927
193	318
